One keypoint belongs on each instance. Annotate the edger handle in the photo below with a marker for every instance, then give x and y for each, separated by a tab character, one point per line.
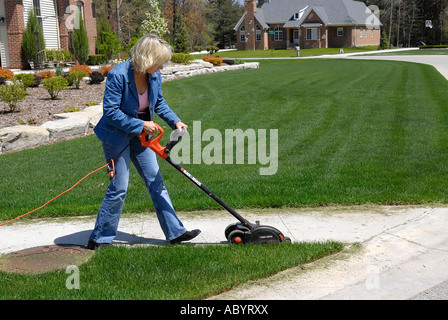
154	143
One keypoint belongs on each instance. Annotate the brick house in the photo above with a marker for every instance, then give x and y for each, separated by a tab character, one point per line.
283	24
56	18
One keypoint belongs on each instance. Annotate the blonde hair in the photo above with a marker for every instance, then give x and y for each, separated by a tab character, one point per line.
150	51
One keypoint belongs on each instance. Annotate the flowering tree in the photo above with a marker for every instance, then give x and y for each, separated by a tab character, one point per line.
154	22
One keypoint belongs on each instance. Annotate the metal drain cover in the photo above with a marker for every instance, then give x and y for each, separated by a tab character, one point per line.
44	259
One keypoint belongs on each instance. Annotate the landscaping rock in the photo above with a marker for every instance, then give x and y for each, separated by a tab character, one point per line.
22	137
67	127
91	114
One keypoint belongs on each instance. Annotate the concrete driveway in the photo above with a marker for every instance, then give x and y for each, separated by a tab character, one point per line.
440	62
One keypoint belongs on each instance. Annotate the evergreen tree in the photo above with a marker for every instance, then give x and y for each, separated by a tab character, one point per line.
107	42
181	37
81	42
224	19
33	38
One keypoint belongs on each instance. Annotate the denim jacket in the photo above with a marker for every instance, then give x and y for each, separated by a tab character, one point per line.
119	122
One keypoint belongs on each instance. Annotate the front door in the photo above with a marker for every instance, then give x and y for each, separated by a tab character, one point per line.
296	35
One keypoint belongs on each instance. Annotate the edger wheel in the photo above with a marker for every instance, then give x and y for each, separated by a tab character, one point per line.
236	237
234	226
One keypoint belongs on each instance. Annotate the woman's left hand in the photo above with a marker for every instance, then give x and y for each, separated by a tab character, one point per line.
180	125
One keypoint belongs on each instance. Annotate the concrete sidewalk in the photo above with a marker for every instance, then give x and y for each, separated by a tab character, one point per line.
405	260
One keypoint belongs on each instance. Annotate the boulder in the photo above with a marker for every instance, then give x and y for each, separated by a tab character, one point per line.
22	136
91	114
67	127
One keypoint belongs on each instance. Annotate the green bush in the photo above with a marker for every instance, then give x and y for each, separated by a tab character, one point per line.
183	58
435	46
27	79
96	59
12	94
54	85
75	77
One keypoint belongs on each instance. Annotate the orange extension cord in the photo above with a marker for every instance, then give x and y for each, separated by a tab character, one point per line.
71	188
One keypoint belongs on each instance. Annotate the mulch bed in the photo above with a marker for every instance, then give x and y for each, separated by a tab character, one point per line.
38	108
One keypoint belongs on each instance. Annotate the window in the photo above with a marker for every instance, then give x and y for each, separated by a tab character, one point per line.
361	31
311	34
340	32
278	34
80	6
242	34
258	34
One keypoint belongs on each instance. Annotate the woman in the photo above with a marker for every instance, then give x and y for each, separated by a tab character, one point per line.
133	93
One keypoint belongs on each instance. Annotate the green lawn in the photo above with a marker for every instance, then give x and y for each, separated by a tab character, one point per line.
283	53
349	132
163	273
416	52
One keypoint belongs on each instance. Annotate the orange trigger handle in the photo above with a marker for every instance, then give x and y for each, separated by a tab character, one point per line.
154	143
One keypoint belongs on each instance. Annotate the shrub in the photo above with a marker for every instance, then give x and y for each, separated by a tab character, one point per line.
6	73
183	58
96	77
27	79
216	61
434	46
37	81
32	31
81	67
46	74
197	48
75	77
54	85
69	79
96	59
212	49
105	70
12	94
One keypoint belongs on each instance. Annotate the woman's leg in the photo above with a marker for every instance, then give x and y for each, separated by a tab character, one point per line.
110	210
145	160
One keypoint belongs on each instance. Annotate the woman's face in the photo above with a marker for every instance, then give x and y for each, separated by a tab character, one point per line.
154	69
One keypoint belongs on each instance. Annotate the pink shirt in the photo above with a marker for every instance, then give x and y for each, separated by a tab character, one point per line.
143	100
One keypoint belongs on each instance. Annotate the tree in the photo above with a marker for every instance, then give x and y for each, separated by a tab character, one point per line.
181	38
81	42
33	38
107	42
225	17
155	22
404	21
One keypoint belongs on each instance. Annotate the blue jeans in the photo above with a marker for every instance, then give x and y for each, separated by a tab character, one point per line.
145	160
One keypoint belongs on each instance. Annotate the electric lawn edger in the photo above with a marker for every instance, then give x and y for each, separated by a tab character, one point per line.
236	233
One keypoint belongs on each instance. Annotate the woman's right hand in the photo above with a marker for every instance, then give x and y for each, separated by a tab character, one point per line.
149	127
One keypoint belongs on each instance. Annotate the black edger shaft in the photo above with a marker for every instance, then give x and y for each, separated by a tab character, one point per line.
208	192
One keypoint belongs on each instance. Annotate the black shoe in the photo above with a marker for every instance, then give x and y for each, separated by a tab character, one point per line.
92	245
187	236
